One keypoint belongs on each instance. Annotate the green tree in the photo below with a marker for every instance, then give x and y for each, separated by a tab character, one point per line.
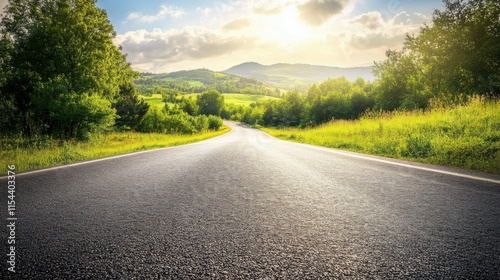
129	108
61	56
293	108
189	106
457	55
210	103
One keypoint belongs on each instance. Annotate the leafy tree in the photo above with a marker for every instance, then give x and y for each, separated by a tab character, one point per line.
210	103
360	101
398	78
189	106
293	108
61	56
459	54
129	108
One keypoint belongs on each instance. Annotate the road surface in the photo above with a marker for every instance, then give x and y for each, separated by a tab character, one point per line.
248	206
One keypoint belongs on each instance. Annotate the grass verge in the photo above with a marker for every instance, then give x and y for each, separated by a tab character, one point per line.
41	153
466	136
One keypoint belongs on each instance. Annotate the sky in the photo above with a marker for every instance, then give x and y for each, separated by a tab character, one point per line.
171	35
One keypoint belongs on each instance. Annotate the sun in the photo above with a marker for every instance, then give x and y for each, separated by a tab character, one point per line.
287	28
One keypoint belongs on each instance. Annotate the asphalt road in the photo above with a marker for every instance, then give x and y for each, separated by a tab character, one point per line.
246	205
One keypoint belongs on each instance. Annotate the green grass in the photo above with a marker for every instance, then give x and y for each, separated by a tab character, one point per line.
155	100
42	153
244	99
466	136
238	98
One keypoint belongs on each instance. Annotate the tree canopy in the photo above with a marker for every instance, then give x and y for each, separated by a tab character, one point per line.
457	55
61	71
210	103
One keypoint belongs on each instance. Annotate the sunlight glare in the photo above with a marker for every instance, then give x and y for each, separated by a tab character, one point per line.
286	28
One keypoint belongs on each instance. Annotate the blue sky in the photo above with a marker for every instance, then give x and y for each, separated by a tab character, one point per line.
172	35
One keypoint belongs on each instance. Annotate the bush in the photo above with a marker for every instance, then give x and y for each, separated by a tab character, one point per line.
214	122
173	121
180	123
153	121
201	123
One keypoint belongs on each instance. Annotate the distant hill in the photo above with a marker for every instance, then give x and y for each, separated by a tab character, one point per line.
297	75
200	80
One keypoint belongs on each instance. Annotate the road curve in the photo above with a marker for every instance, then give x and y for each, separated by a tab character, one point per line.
248	206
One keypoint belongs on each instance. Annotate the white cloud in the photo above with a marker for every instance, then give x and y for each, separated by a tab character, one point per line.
317	12
389	34
237	24
284	31
266	8
371	20
164	12
158	48
404	18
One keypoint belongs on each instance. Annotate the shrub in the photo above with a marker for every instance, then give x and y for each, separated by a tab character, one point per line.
214	122
153	121
180	123
201	123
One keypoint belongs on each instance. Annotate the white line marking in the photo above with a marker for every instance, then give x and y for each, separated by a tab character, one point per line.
94	160
111	157
402	164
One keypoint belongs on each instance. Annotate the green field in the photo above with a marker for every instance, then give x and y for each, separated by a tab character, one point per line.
244	99
466	136
238	98
155	100
42	153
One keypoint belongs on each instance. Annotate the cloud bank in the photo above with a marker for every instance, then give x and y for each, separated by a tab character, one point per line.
293	31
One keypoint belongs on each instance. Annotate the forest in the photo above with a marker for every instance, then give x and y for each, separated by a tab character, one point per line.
61	76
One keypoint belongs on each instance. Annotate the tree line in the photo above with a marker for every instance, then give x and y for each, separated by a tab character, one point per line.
450	60
456	56
198	81
332	99
60	73
189	116
61	76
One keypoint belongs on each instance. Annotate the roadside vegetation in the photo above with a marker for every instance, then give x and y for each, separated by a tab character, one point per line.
436	100
67	92
42	152
466	136
451	60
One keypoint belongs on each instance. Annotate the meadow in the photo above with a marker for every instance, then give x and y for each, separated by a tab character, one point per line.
239	98
466	136
156	100
45	152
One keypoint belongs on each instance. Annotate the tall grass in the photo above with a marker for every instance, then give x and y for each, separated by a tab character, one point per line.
36	153
466	136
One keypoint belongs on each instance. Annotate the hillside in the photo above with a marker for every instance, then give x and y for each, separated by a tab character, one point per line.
299	76
200	80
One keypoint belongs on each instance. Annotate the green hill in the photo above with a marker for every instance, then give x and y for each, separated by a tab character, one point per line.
297	76
200	80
